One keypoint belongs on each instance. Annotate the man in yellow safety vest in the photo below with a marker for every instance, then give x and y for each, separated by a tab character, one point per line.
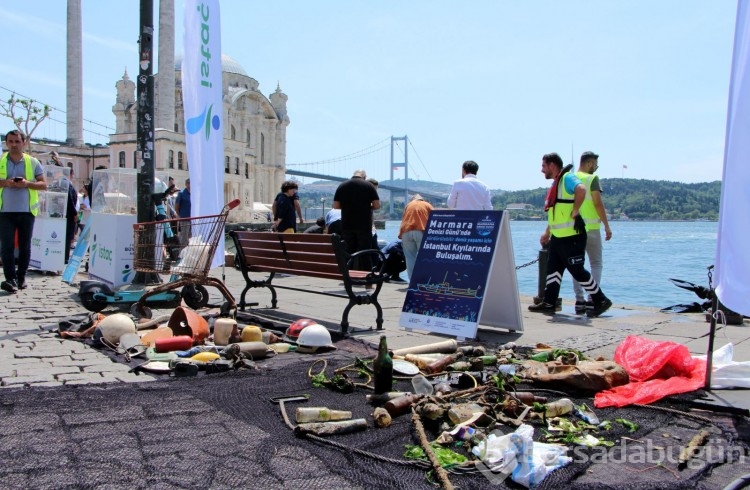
566	236
21	179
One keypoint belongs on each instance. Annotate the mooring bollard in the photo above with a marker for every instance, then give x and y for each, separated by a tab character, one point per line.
542	277
541	274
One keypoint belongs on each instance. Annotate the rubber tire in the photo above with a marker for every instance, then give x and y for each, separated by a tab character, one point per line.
195	296
143	312
88	301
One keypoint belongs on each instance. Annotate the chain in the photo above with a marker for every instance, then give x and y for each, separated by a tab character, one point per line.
527	264
710	277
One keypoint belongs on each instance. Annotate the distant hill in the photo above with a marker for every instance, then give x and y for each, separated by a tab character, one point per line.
634	198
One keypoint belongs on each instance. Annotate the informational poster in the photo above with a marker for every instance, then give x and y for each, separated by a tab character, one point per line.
464	276
48	244
111	248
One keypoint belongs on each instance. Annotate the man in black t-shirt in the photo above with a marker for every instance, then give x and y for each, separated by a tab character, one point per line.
285	207
357	199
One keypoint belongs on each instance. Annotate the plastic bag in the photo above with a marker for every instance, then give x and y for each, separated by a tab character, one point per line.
726	373
656	369
194	257
527	462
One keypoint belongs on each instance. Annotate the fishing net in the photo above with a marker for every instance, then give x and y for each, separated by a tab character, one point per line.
222	431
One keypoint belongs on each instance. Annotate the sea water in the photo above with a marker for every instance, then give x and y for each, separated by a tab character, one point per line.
639	260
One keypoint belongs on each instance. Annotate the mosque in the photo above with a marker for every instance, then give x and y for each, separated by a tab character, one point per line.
254	132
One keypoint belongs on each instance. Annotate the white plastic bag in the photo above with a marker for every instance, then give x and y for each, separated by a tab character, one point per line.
527	462
726	373
194	257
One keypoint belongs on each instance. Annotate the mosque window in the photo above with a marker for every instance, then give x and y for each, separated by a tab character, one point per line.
176	128
226	165
262	149
170	159
179	160
236	166
247	170
233	133
121	159
247	138
135	159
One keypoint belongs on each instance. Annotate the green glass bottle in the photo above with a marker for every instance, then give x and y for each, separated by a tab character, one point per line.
382	366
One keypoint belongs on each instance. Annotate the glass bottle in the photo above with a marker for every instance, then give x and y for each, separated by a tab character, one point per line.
382	367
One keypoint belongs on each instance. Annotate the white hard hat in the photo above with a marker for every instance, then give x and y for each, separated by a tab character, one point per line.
113	327
313	338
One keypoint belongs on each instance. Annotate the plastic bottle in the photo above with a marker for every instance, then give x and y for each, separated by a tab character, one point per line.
559	407
382	367
421	385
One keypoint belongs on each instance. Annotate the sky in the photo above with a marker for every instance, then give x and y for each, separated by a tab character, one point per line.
642	83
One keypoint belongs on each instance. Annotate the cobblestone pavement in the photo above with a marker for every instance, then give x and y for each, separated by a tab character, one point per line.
30	355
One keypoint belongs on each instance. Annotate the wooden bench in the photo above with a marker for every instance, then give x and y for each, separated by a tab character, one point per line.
312	255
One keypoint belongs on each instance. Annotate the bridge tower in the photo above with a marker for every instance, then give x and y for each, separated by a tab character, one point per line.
395	165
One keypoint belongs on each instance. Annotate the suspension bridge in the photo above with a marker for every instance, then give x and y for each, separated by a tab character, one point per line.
393	152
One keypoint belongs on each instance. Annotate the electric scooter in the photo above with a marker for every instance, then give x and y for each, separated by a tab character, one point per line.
96	295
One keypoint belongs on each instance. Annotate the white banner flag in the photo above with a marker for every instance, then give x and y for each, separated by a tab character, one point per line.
204	110
732	260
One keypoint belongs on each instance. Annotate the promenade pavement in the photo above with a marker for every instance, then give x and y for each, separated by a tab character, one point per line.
30	355
156	435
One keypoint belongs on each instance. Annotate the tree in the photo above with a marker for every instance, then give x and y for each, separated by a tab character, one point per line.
26	114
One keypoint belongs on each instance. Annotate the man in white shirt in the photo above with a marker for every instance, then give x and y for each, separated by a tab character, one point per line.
469	193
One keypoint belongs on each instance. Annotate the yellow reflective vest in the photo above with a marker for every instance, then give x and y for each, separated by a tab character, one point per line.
560	216
588	210
33	193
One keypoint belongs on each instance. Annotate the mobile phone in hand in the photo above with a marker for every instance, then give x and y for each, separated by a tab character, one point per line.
17	179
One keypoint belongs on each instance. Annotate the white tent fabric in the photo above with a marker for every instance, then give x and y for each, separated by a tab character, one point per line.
204	110
732	265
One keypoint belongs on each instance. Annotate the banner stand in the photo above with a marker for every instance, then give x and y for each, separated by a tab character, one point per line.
466	257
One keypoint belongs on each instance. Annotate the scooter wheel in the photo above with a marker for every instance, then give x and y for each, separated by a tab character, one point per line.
140	312
89	302
195	296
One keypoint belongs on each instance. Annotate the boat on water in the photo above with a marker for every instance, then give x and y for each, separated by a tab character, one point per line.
446	289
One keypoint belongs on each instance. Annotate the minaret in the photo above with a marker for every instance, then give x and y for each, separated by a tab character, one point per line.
74	75
165	79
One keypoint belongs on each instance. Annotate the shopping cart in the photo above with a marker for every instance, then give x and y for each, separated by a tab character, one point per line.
158	251
190	270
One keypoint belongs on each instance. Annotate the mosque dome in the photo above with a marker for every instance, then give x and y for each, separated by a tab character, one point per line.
228	65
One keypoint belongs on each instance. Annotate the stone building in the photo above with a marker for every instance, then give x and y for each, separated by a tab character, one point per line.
254	138
254	125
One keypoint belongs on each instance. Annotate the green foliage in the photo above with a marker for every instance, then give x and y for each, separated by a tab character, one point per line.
26	114
635	198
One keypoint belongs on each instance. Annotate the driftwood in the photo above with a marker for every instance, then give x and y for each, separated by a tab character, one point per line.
441	474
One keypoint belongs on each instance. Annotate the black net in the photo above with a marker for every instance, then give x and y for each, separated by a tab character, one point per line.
223	431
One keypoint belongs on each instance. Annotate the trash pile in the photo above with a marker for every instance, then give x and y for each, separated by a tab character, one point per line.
463	395
185	343
515	412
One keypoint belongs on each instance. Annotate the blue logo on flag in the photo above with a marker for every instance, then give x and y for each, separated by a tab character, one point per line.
203	121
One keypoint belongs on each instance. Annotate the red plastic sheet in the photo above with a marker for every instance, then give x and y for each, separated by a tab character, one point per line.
656	369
